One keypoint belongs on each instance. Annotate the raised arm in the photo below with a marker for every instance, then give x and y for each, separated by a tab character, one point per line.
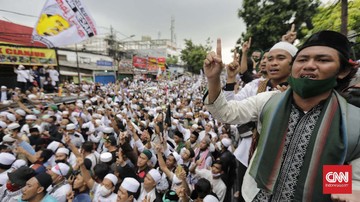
162	163
85	173
213	66
245	49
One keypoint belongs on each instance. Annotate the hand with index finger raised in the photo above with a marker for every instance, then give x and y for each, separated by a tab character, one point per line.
233	68
246	46
213	63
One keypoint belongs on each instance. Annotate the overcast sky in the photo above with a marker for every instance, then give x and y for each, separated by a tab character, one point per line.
194	19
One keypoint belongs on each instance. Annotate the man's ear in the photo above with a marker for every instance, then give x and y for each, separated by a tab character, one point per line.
131	198
343	73
39	190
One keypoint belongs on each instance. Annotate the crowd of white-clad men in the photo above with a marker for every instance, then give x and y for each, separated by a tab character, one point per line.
135	140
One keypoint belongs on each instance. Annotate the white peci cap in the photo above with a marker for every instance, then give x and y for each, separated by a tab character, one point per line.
61	169
112	178
7	158
105	157
130	184
155	175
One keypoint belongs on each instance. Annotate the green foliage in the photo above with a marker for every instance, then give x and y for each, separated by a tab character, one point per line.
194	55
172	60
329	18
268	20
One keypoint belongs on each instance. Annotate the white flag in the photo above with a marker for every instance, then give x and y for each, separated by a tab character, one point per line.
63	22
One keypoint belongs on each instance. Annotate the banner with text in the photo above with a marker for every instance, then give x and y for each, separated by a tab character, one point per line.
149	63
139	62
63	22
27	56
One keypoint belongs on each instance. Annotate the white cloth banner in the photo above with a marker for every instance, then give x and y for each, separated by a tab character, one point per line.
63	22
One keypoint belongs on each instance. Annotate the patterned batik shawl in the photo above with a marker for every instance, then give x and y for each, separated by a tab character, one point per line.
326	147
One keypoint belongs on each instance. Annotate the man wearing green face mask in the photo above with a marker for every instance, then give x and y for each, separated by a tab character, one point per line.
307	126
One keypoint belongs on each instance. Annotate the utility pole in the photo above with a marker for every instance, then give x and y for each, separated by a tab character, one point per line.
344	17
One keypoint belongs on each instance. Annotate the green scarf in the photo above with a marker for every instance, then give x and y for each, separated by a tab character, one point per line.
327	146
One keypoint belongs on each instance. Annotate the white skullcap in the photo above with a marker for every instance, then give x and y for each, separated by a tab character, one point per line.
211	124
32	96
11	117
155	175
105	157
176	156
144	123
38	128
210	198
108	130
3	114
226	142
96	116
61	169
291	49
93	99
207	113
7	158
130	184
153	159
75	114
213	134
3	87
189	114
87	102
53	146
195	126
80	105
98	121
62	150
3	124
30	117
18	163
20	112
8	138
70	126
13	126
112	178
65	112
21	67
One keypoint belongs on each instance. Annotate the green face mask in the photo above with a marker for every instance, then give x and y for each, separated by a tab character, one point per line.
306	88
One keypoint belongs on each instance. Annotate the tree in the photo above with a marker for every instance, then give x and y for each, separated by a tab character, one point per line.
268	20
328	17
172	60
194	55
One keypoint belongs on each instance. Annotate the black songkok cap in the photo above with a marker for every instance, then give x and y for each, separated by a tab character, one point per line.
331	39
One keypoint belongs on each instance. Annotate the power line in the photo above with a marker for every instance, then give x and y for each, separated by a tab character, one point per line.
17	13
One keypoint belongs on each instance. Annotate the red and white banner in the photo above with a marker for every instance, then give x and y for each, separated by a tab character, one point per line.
139	62
63	22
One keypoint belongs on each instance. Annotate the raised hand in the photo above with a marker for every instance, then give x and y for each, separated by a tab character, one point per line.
290	36
80	161
213	63
234	67
246	46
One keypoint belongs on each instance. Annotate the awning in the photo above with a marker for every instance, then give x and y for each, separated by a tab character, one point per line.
69	73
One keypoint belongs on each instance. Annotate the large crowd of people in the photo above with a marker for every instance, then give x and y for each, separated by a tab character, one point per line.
252	138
